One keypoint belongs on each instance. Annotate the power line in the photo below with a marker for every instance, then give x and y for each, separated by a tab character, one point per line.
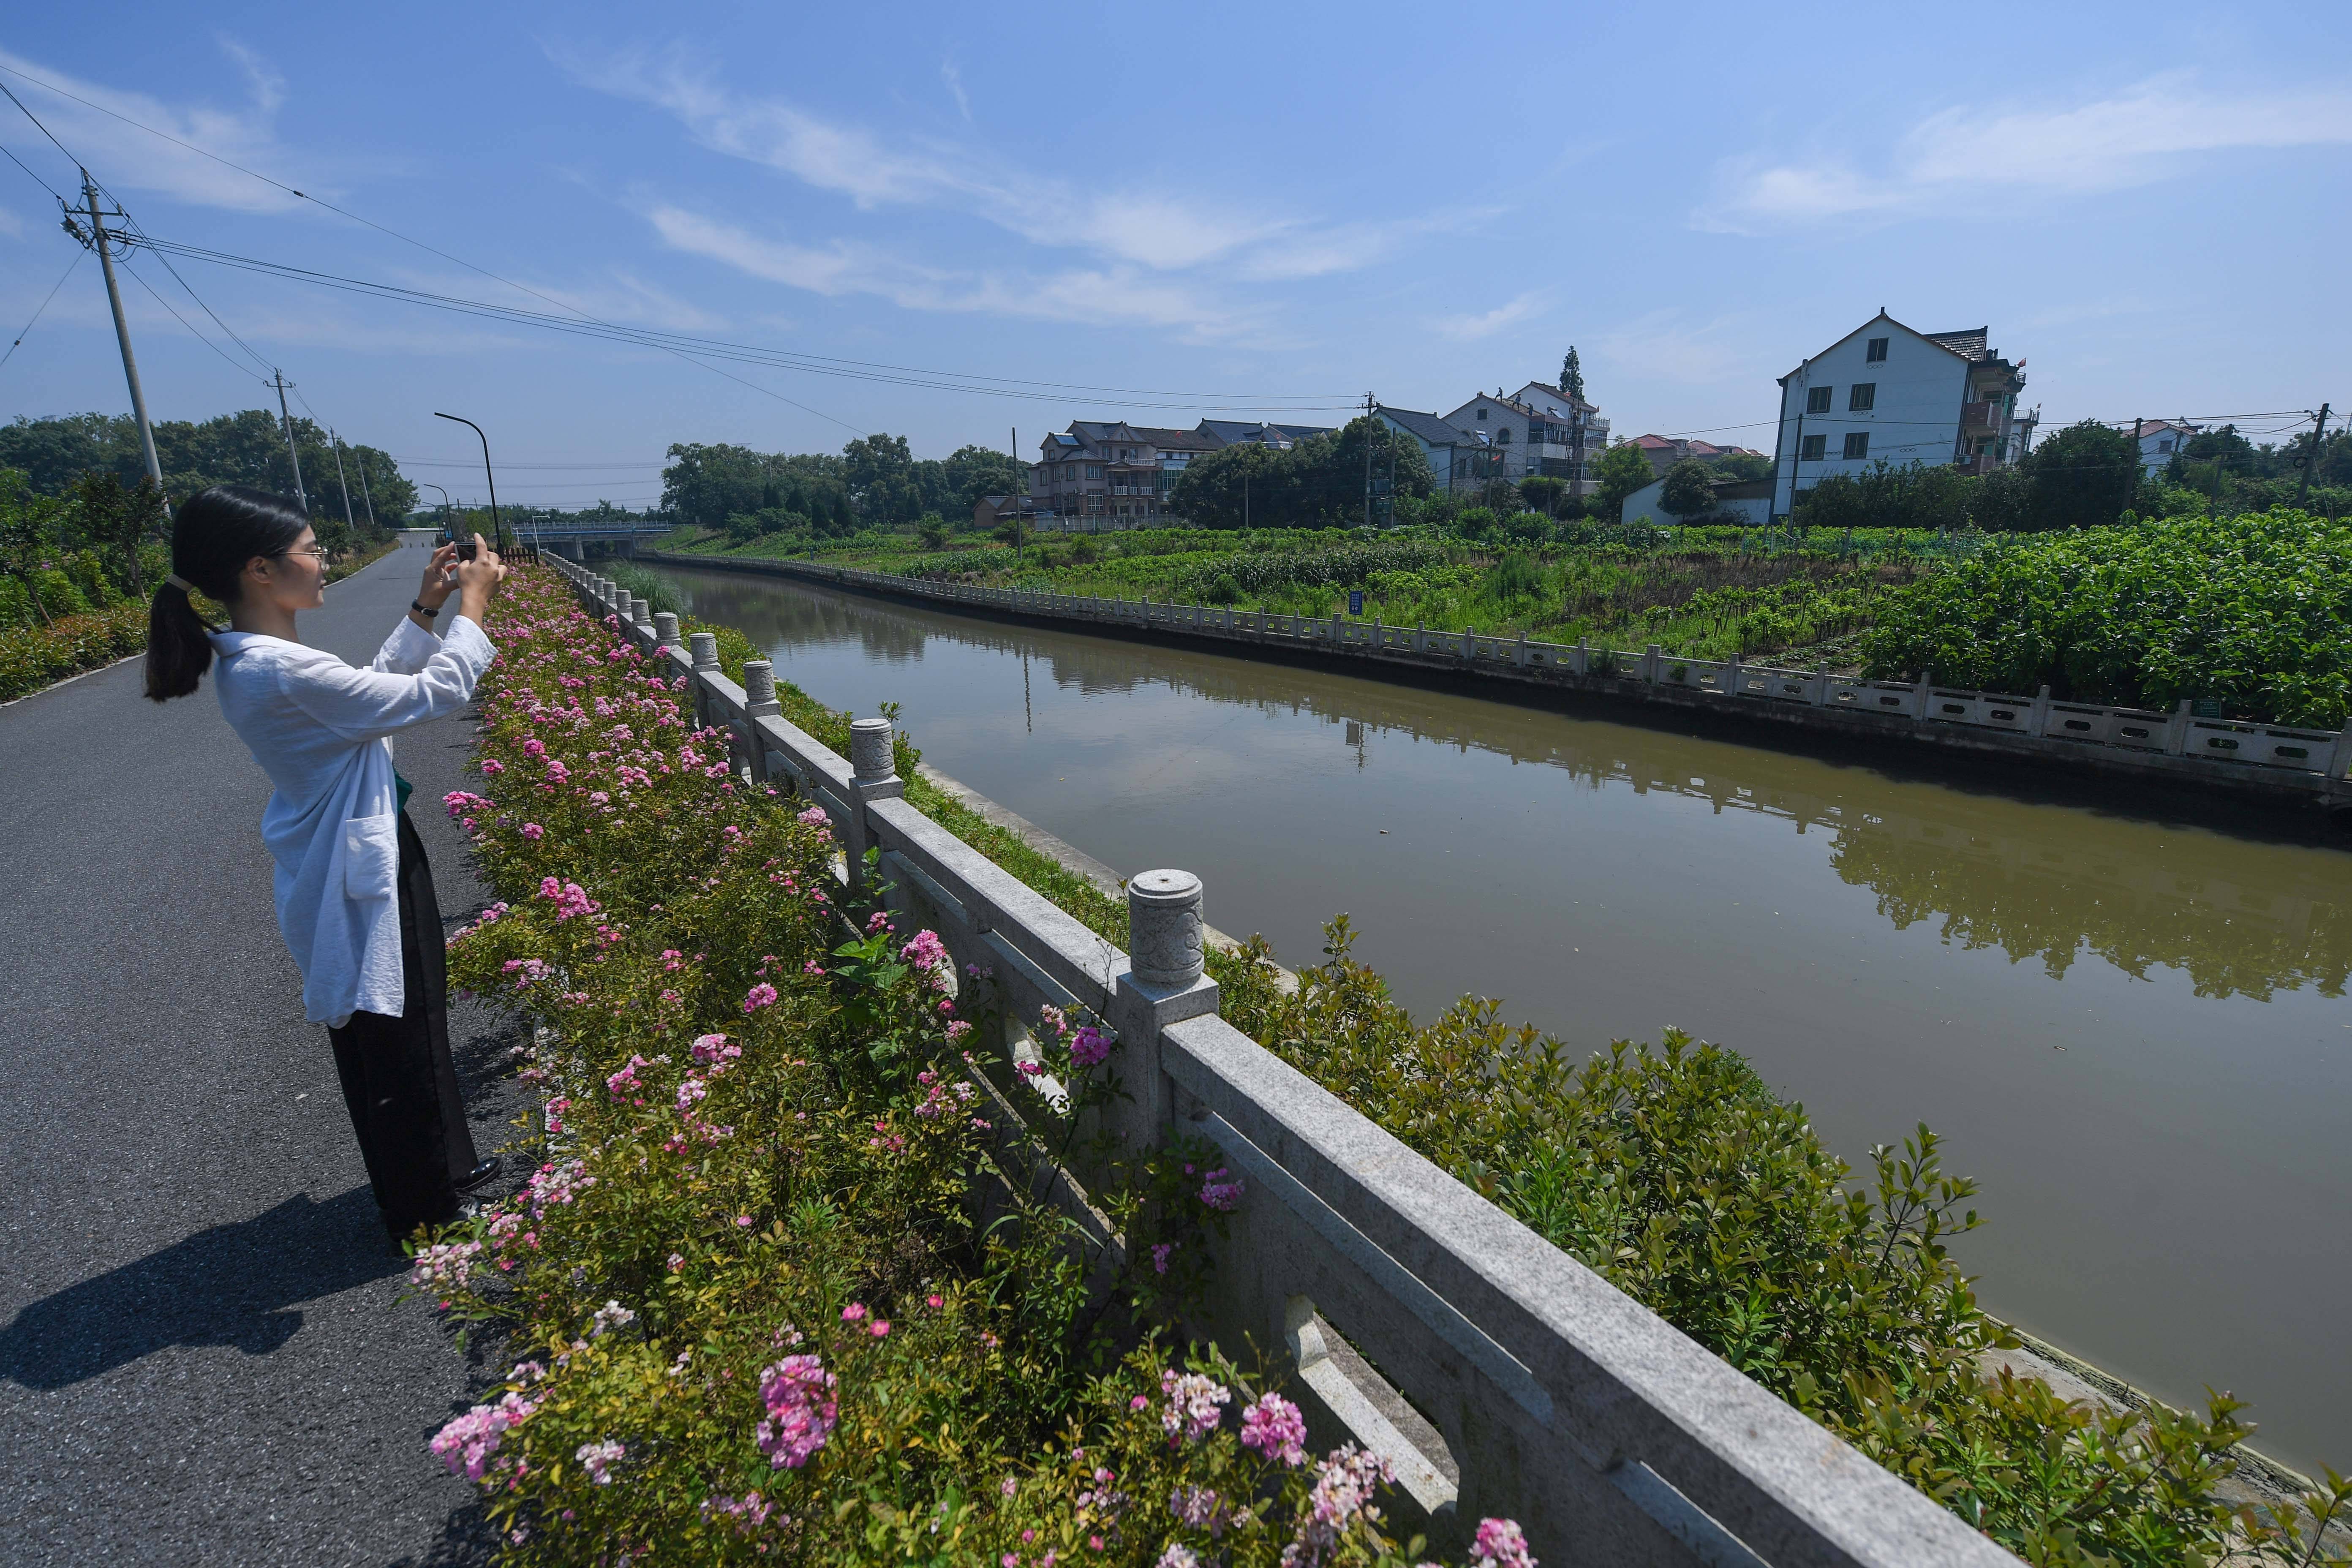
45	305
37	179
184	320
1312	402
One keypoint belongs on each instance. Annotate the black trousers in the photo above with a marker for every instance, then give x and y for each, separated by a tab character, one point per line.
397	1077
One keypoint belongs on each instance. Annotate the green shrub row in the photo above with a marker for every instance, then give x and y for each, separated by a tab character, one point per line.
2253	611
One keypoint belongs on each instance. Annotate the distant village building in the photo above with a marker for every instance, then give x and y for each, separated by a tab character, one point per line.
1538	431
2160	441
1885	392
1458	459
1665	451
1110	474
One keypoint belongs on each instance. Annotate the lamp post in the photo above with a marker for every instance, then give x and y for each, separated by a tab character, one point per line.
498	533
448	513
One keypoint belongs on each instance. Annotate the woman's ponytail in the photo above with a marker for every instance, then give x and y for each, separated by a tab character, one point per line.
213	534
179	645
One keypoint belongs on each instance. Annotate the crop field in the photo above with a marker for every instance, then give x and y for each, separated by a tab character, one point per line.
1699	593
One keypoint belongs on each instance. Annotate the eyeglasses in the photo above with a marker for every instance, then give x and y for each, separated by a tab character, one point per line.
314	549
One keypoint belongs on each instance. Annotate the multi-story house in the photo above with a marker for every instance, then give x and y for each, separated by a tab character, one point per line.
1886	391
1111	474
1538	431
1242	432
1458	459
2160	441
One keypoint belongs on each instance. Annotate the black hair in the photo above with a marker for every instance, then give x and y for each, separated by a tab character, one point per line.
215	533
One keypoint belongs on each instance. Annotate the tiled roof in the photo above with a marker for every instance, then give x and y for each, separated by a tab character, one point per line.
1428	427
1970	344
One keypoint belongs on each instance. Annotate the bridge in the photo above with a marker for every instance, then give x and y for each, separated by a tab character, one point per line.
572	538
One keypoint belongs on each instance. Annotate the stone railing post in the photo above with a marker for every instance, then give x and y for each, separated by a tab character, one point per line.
1580	657
642	612
2176	730
1652	655
1163	984
758	702
2040	721
705	647
2339	756
1819	693
1922	694
666	629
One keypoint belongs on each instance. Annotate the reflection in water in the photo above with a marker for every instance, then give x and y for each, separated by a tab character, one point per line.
2238	917
2132	1032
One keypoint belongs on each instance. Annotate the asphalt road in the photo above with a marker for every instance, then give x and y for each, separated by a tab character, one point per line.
200	1360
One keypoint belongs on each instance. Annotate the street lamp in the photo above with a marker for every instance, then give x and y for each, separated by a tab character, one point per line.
448	513
498	533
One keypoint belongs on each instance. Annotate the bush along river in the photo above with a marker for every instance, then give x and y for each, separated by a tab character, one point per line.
2129	1030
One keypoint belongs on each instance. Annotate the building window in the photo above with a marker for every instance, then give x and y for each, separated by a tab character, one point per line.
1482	417
1857	446
1877	354
1503	436
1812	449
2165	444
1817	400
1864	395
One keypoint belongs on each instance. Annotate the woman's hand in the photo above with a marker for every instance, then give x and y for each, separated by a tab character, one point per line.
438	584
477	579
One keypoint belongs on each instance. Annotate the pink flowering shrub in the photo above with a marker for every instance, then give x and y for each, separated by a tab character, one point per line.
760	1315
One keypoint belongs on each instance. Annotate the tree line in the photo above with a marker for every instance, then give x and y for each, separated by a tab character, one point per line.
874	481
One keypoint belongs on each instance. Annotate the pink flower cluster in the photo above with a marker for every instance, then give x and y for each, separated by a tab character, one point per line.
599	1458
760	996
466	1443
443	1269
1500	1545
1344	1486
569	897
1220	1193
801	1411
1194	1404
1089	1046
927	953
1273	1428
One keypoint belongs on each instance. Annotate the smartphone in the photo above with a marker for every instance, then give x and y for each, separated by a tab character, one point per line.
464	553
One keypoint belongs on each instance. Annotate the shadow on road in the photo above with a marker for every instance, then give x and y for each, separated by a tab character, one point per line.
231	1285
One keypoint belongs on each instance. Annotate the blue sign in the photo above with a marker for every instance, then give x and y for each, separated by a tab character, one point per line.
1355	600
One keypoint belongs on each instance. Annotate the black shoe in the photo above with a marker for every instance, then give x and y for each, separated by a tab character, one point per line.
477	1176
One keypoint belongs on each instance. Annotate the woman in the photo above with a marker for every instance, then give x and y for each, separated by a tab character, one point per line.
354	895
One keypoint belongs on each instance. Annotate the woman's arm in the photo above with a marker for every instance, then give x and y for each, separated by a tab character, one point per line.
365	704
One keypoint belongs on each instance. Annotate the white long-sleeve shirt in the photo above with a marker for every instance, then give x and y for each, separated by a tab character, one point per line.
321	729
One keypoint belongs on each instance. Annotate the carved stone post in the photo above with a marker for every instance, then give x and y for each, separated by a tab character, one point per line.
1163	984
666	629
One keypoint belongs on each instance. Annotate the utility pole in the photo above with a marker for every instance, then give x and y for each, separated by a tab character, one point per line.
365	497
287	421
2318	434
1369	405
121	328
1018	532
2135	454
336	442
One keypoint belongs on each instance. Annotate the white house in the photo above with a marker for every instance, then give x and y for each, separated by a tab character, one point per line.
1886	391
1746	501
2161	440
1538	431
1458	459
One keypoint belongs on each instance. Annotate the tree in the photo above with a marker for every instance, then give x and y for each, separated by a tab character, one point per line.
1235	487
1543	493
1619	471
121	520
1572	375
1914	496
972	472
1689	489
2082	477
1744	467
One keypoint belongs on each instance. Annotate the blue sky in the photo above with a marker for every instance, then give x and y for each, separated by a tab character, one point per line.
1201	206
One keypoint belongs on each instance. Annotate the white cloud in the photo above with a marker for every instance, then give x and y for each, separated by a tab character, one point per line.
1659	344
1495	320
2141	135
1131	225
953	77
1100	296
127	159
11	225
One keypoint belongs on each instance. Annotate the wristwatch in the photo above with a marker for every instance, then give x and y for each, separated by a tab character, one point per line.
418	606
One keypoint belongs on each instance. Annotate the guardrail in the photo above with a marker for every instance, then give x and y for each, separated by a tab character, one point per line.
2278	756
1542	1392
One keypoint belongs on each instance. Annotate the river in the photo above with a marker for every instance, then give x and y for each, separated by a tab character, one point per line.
2129	1027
